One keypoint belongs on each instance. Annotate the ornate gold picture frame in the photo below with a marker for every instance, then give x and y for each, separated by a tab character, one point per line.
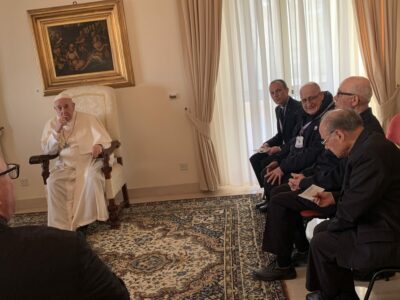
82	44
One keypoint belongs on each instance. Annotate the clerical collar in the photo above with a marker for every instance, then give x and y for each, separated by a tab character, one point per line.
3	221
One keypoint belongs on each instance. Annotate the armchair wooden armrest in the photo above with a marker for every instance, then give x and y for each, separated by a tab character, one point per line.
113	208
114	145
38	159
105	155
44	160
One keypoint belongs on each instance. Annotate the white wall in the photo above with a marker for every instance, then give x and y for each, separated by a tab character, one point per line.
156	134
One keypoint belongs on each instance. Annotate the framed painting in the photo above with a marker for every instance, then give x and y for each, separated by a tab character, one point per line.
82	44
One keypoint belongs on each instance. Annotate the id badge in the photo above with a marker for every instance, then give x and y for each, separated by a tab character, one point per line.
299	141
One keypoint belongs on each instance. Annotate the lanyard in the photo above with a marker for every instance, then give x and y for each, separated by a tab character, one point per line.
316	118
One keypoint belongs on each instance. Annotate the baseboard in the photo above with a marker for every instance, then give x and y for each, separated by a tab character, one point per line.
135	195
31	205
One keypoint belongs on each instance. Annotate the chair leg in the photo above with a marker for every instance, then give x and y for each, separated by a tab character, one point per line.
125	195
370	286
372	281
113	212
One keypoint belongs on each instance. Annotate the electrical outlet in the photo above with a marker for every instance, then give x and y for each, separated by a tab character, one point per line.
24	181
183	166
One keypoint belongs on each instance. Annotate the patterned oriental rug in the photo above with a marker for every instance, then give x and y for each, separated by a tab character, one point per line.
185	249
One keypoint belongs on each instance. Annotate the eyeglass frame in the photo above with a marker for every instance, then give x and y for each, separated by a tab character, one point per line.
10	168
339	93
311	98
329	136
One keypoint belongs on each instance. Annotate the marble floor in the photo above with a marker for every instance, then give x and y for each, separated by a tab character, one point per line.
383	290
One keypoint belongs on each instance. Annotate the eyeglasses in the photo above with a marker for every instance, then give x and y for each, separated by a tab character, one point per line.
310	99
327	138
339	93
12	171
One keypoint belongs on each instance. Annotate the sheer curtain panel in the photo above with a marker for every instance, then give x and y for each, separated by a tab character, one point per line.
263	40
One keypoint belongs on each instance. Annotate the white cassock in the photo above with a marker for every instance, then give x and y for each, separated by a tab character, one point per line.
75	188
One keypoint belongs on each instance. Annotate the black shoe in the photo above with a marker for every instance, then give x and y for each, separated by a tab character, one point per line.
314	296
258	205
366	276
83	230
274	272
299	258
263	208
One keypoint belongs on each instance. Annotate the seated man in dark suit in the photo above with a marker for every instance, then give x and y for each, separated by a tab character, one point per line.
287	113
365	231
39	262
303	150
284	225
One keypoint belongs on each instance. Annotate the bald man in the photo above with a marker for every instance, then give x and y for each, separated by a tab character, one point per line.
354	93
39	262
365	231
75	188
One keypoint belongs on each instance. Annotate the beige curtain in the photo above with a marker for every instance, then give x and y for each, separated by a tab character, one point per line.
1	149
377	28
201	25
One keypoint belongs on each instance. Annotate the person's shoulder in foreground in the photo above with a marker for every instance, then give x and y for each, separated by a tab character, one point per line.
39	262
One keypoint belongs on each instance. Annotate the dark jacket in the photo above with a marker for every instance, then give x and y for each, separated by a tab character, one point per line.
328	171
368	208
39	262
371	123
289	121
292	159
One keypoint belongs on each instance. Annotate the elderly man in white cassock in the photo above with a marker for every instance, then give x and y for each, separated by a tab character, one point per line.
75	188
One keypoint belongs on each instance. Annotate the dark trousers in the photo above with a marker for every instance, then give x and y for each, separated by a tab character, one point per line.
323	273
284	224
268	187
259	161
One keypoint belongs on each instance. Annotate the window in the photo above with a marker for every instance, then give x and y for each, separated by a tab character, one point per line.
263	40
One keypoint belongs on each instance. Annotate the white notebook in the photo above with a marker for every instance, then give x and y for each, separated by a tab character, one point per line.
311	192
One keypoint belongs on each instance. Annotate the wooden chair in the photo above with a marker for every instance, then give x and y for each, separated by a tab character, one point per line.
101	102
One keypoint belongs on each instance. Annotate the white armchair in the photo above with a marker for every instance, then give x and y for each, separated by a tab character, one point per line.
99	101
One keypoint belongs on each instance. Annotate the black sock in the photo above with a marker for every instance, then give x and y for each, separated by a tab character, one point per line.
283	261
